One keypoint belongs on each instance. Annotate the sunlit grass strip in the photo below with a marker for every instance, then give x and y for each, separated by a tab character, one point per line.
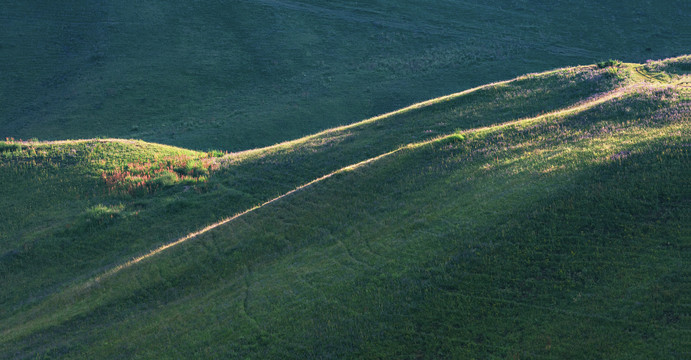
290	143
52	318
77	141
571	110
229	219
239	155
419	105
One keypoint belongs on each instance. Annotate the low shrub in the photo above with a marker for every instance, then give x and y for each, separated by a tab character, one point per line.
608	63
215	153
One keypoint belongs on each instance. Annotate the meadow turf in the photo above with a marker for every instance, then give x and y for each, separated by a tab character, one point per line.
242	74
543	217
48	213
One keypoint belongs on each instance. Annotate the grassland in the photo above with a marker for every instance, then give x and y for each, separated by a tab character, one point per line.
541	217
244	74
255	176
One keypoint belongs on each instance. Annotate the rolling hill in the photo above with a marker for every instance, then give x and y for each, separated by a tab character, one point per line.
545	216
241	74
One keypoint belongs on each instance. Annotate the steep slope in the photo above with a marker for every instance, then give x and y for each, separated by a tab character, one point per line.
243	74
528	239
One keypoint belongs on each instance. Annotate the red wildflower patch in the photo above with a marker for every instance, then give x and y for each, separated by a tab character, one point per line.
137	178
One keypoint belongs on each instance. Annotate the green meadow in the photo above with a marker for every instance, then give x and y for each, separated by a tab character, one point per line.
546	216
240	74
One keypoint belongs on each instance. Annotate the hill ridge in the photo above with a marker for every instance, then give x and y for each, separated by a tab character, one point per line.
600	140
581	106
414	106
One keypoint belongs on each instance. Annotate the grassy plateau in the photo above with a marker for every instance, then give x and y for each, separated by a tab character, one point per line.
547	216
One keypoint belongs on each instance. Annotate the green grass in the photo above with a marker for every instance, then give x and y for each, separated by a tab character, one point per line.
487	230
49	240
234	76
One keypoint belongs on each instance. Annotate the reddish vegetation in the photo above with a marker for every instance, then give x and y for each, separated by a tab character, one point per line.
147	177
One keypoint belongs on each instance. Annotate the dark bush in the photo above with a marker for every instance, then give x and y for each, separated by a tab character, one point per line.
608	63
215	153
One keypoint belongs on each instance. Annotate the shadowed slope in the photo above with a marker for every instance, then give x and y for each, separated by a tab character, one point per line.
526	239
251	73
606	97
75	246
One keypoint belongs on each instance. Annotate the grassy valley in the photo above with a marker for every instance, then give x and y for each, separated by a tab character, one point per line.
541	217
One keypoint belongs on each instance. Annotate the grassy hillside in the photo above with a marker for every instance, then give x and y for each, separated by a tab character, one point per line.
49	239
546	216
242	74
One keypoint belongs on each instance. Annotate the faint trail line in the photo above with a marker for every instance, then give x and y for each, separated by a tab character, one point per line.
406	109
639	71
229	219
578	107
351	257
245	300
244	309
570	110
304	139
683	81
415	106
